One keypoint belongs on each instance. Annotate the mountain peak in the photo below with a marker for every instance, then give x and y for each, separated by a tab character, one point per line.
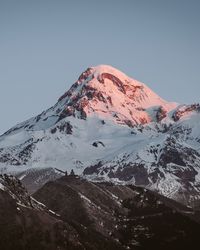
107	92
102	68
100	72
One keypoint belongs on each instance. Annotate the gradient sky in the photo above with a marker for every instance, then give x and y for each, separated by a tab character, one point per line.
45	45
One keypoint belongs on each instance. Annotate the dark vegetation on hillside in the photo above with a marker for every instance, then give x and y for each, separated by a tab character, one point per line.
93	216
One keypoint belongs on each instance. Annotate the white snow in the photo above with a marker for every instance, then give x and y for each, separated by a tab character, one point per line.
39	203
1	186
22	177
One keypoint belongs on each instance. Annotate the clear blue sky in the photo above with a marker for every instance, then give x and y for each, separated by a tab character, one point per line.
46	44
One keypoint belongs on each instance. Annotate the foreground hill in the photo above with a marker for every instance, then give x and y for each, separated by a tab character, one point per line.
27	224
72	213
133	217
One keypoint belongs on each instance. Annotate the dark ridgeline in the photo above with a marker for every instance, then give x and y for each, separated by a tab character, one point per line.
73	213
133	217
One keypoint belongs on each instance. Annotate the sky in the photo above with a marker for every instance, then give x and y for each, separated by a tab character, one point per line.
46	44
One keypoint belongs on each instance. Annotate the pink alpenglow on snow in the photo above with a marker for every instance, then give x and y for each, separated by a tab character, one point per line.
106	92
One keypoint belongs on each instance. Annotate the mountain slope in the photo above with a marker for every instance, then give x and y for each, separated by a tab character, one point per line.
108	126
134	217
72	213
28	224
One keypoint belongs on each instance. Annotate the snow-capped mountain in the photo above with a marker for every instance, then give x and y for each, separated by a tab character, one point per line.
108	126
